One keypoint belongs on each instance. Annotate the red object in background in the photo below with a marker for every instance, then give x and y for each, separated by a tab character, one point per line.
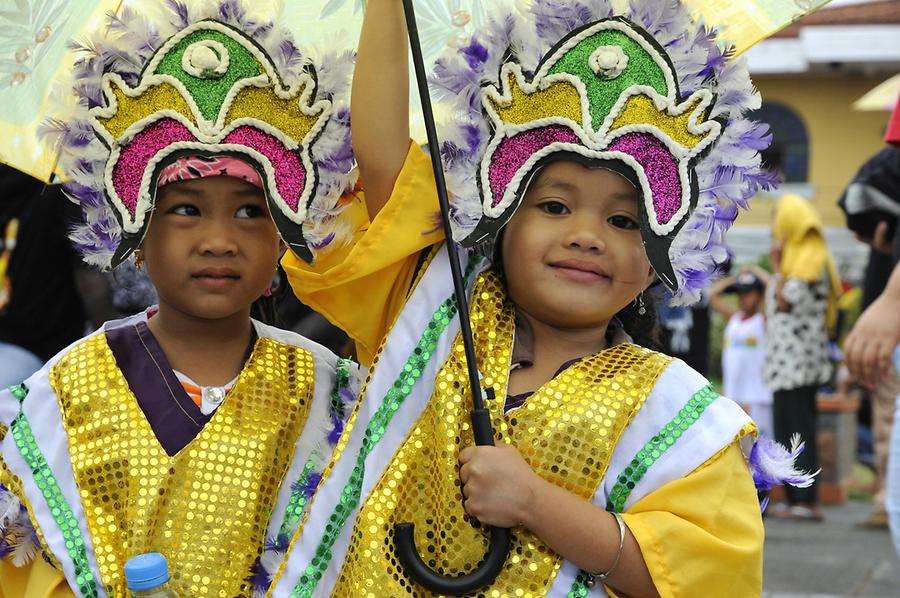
892	135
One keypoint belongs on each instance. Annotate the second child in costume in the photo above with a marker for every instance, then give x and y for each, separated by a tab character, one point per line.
203	145
598	141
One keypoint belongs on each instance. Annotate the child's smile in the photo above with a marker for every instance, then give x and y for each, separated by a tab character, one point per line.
581	270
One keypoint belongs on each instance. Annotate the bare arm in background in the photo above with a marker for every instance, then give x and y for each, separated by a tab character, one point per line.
871	343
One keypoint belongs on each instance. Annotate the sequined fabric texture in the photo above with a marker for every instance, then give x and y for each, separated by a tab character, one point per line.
566	431
14	485
206	508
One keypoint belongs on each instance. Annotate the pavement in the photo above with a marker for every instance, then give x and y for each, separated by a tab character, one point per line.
831	558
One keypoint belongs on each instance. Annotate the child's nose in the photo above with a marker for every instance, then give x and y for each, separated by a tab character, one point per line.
218	239
585	236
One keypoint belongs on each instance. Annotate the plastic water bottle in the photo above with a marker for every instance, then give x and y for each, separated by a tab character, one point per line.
148	576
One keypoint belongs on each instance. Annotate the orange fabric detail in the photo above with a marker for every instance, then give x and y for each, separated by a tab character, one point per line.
195	392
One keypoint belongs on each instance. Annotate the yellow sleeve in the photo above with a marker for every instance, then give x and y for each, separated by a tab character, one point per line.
362	286
35	580
703	534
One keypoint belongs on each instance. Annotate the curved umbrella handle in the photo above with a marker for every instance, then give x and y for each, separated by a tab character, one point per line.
422	574
493	561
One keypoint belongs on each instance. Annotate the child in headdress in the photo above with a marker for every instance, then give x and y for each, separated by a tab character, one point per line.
202	147
589	154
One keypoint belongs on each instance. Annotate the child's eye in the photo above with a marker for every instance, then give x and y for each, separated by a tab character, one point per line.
250	211
185	209
623	222
557	208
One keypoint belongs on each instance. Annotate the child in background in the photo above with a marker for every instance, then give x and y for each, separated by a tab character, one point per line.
612	463
744	347
190	429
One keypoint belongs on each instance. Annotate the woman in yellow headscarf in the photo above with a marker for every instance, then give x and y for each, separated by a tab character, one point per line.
801	309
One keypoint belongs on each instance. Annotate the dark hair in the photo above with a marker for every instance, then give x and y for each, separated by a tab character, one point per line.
265	309
644	329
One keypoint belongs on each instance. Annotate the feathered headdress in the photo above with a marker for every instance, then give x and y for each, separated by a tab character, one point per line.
649	88
216	82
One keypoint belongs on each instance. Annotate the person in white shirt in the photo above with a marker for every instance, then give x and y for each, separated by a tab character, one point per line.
744	347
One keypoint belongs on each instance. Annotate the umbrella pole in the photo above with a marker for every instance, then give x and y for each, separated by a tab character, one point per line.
407	552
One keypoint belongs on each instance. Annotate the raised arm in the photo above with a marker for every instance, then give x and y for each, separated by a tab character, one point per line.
717	300
379	102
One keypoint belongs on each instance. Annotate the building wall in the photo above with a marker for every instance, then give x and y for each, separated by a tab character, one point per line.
840	139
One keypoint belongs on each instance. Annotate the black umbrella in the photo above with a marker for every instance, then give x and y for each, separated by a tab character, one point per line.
407	552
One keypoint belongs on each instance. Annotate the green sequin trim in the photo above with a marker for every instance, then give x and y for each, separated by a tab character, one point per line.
604	93
210	94
342	381
658	445
583	583
299	494
645	458
59	508
296	503
351	494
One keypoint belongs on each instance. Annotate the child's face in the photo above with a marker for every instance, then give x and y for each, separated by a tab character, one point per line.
749	301
572	253
211	247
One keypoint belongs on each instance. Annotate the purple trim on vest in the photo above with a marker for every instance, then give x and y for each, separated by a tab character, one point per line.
515	401
173	416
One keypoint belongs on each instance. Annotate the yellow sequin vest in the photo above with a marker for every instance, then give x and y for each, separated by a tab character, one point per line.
206	508
566	431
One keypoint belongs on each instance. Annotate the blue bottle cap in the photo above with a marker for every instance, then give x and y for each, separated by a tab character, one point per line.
146	571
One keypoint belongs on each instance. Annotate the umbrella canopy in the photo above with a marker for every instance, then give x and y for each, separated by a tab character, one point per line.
34	59
442	24
881	97
748	22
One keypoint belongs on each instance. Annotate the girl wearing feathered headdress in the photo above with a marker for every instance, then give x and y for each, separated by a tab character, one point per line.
589	154
201	147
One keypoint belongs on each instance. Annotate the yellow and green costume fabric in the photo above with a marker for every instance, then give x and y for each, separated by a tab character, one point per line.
99	486
629	429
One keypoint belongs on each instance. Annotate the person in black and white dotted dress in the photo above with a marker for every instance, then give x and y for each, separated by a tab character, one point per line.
798	341
801	304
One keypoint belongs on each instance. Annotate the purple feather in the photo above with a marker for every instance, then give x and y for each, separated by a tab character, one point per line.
762	180
347	396
337	429
756	137
279	543
312	482
475	53
772	464
289	53
715	61
553	19
323	242
259	579
181	12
